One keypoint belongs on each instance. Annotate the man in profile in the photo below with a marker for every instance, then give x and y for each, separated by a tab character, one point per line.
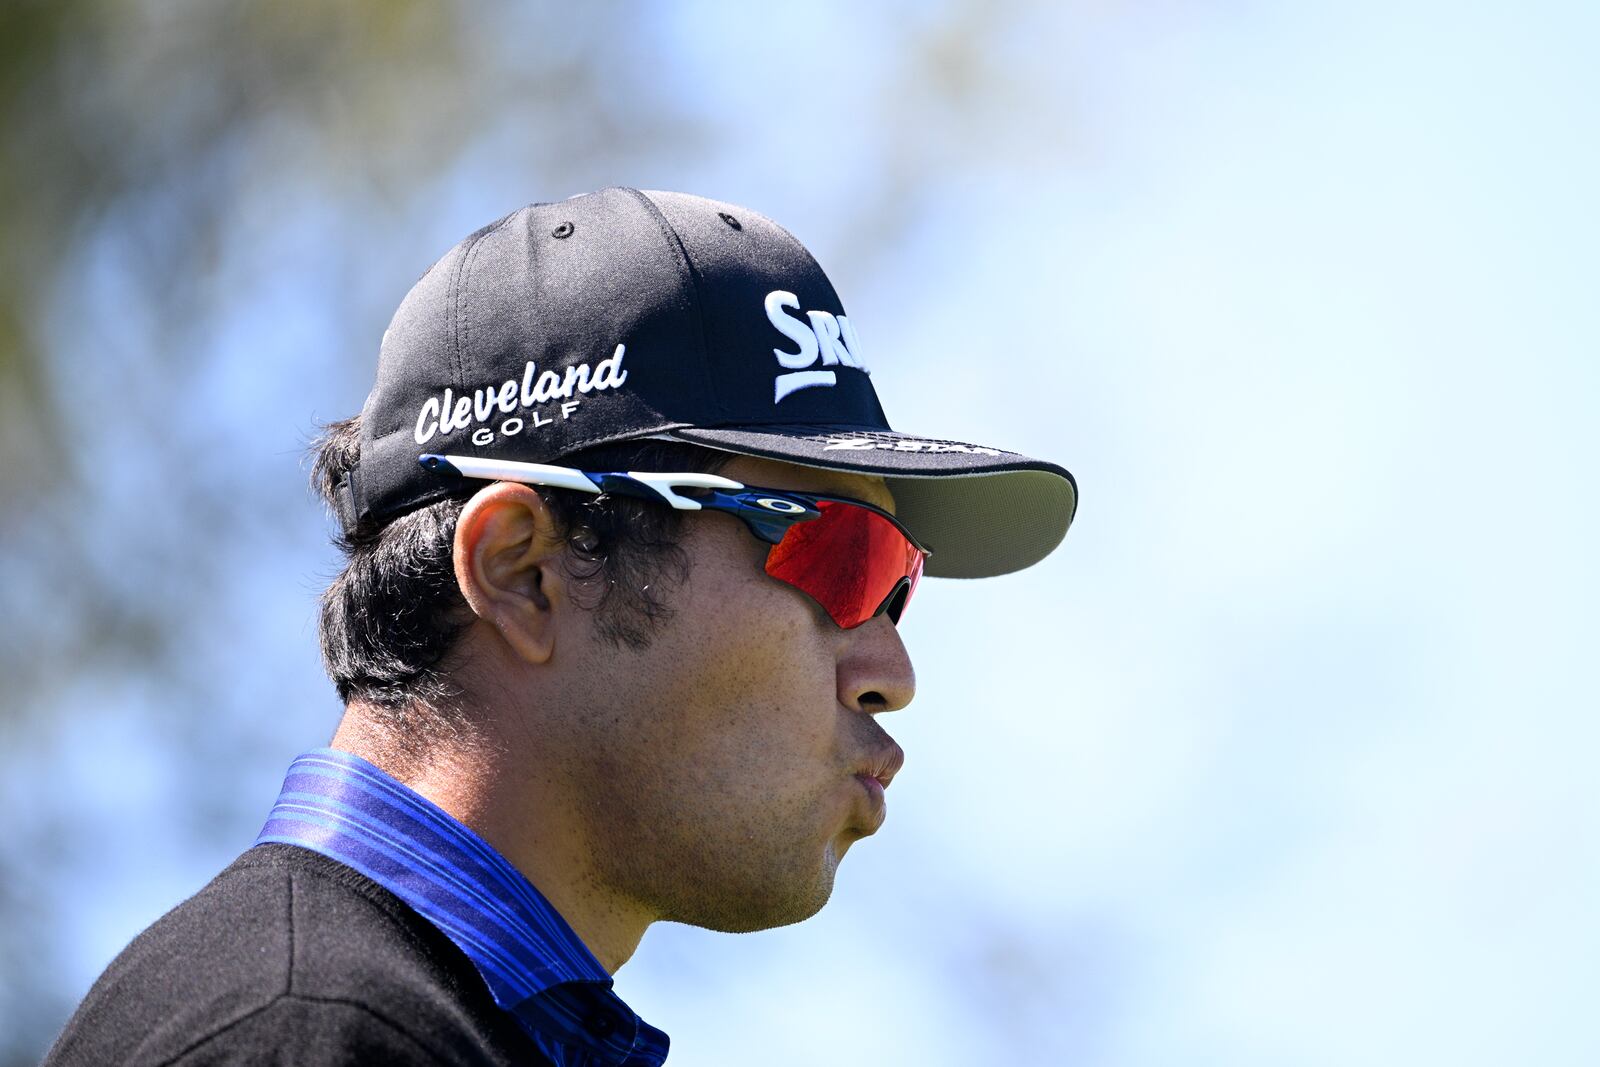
627	537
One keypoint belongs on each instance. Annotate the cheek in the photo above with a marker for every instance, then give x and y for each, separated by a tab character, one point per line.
764	676
752	700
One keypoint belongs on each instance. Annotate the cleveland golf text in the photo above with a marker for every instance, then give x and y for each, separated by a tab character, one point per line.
449	413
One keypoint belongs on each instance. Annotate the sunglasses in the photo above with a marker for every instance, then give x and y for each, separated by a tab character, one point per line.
854	559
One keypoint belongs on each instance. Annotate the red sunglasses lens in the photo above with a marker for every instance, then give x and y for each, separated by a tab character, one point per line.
849	560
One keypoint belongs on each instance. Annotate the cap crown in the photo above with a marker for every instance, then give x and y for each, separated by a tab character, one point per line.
610	316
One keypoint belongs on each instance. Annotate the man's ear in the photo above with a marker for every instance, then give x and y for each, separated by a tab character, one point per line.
508	566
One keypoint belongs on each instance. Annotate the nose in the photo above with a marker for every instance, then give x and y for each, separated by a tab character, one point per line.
874	668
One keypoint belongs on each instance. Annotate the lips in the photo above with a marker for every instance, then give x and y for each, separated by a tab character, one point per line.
882	765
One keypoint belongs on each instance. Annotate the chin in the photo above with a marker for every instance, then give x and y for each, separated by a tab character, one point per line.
747	908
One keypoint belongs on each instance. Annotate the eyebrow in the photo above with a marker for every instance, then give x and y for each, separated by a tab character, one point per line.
883	499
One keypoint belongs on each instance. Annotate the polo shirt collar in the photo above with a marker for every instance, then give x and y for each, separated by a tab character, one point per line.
535	966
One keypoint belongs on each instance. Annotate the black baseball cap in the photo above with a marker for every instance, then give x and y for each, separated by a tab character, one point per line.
623	315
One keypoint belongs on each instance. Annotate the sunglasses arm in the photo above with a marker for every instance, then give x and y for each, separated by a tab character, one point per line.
767	514
648	485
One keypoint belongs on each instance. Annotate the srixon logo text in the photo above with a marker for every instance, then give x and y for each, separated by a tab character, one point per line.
828	339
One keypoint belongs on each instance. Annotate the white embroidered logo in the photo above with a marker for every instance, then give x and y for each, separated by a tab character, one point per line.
829	338
901	444
449	413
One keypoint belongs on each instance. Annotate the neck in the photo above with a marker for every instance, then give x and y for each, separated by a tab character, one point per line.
519	808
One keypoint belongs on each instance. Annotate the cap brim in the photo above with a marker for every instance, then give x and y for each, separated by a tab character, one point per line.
980	511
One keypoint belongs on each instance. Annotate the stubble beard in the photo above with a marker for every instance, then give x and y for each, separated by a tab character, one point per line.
738	883
743	903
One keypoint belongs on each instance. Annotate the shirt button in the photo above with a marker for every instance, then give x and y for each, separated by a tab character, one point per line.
600	1024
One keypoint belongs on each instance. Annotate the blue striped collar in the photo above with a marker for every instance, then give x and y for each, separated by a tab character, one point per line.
535	966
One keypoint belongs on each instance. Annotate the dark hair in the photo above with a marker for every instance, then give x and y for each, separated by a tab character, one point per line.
392	616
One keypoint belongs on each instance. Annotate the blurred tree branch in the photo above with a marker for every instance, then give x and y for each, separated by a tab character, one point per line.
138	136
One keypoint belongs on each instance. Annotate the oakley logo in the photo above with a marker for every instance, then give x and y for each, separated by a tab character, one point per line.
444	415
786	507
828	337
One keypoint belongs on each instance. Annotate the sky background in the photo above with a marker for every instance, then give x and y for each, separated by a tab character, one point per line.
1286	757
